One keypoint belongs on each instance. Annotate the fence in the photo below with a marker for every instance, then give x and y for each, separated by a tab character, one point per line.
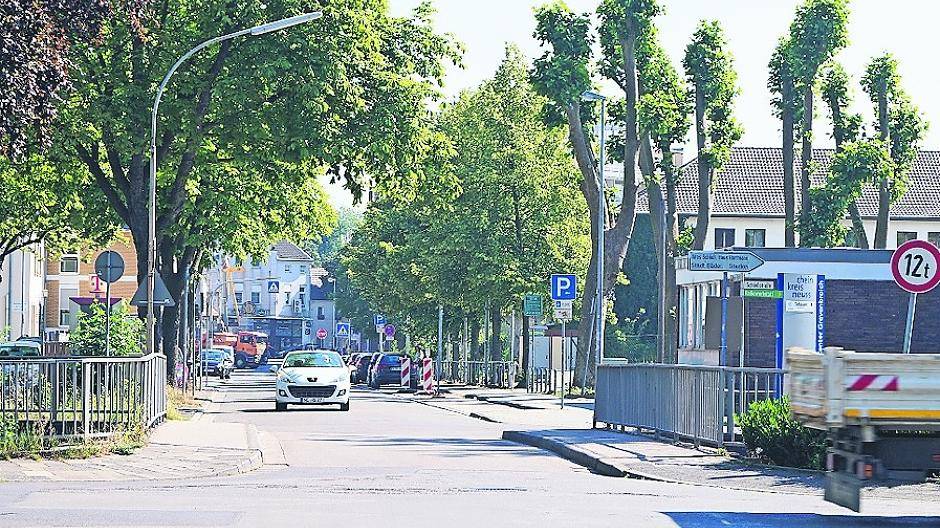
695	403
500	374
544	380
83	396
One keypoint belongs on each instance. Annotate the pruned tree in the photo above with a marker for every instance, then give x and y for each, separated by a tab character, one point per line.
818	31
562	74
900	127
709	67
786	103
846	127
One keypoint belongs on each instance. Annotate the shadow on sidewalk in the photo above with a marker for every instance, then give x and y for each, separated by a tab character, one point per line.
793	520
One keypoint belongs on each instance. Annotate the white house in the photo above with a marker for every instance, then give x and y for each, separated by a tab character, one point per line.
285	296
21	293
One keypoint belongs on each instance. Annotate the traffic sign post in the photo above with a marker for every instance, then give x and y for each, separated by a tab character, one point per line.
564	289
914	266
109	267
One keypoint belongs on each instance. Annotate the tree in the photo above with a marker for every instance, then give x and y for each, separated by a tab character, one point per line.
562	74
40	204
664	113
856	164
846	127
499	215
786	104
709	67
35	36
247	126
327	250
818	31
900	127
88	339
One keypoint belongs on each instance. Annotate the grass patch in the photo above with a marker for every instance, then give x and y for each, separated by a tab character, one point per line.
176	401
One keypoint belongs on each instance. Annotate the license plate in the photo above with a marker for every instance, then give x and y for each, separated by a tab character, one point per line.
311	400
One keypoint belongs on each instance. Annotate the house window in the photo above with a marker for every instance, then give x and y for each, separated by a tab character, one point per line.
256	297
286	268
904	236
65	317
724	238
320	315
238	297
68	265
754	238
934	238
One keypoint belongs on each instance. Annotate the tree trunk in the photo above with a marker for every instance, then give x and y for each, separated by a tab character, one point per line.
806	161
789	179
496	334
475	354
858	227
654	195
671	291
704	174
884	186
524	353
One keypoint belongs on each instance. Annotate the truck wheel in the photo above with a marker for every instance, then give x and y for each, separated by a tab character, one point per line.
240	362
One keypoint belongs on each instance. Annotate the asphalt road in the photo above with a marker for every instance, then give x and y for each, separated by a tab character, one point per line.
393	462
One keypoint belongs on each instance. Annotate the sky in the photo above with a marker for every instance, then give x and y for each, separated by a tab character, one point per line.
902	27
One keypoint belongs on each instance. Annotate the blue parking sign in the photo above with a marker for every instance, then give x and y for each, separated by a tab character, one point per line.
564	287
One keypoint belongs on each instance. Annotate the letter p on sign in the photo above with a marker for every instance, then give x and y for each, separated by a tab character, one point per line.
564	287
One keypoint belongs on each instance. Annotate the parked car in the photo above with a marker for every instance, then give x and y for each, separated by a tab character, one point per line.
362	367
18	349
386	370
316	377
217	362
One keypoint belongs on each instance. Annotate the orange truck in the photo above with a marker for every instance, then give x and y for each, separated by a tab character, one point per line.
249	347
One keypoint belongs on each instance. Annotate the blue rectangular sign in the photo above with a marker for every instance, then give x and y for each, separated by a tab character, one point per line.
342	330
564	287
379	319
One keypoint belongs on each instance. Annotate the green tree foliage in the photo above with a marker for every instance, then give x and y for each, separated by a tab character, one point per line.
246	126
501	215
327	250
127	332
901	128
859	163
709	67
40	204
818	31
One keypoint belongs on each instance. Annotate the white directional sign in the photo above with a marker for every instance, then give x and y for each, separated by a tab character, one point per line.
736	261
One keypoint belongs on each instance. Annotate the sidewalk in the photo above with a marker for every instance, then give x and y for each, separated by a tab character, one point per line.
177	449
539	421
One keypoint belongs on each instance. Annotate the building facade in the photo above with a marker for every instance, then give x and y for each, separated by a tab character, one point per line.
71	283
21	293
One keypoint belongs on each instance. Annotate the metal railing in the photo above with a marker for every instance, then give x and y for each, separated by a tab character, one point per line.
688	402
501	374
83	396
544	380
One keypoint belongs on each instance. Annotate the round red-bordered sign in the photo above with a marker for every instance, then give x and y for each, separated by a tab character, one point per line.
321	333
916	266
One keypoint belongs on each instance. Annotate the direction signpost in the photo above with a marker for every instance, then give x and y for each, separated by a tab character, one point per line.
564	290
914	266
765	289
379	321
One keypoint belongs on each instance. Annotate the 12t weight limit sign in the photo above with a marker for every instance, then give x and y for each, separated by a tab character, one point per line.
915	265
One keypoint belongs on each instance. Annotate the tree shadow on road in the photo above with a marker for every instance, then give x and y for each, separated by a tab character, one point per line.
793	520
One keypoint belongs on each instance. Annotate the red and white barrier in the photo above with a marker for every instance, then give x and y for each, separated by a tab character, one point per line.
427	376
872	382
405	373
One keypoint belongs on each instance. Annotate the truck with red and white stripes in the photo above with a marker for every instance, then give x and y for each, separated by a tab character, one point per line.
881	413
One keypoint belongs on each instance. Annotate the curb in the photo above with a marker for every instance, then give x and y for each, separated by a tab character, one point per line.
578	456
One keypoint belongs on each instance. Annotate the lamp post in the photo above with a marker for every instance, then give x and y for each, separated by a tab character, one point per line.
152	205
601	226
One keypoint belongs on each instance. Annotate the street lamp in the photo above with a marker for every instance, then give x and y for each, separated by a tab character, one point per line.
601	226
152	206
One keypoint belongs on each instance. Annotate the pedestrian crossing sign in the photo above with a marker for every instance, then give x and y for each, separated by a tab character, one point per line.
342	330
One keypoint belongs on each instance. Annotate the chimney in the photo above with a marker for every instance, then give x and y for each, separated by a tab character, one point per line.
677	158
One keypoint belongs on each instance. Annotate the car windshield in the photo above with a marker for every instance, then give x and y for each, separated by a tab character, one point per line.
313	359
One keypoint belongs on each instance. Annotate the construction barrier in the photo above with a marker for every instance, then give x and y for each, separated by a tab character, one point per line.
427	376
405	373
